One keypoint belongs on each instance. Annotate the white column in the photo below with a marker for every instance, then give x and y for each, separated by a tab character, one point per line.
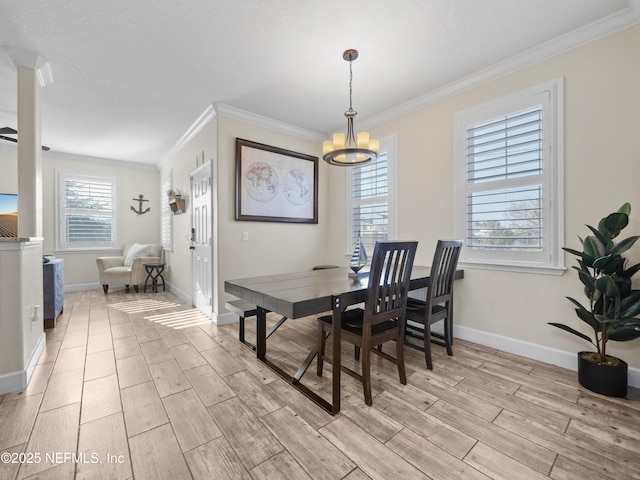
29	155
33	73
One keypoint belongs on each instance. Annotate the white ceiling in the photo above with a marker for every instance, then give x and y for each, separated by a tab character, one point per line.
131	77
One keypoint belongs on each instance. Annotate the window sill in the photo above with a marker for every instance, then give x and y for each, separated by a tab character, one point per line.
514	267
88	250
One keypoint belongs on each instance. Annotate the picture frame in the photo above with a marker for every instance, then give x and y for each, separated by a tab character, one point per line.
274	184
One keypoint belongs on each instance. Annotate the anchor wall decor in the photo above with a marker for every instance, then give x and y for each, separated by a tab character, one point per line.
140	199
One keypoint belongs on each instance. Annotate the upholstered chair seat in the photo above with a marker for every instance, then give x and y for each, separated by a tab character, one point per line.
128	268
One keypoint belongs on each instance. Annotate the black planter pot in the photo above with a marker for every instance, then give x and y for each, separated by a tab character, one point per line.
601	378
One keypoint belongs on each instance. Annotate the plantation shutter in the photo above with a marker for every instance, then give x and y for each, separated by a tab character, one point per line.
88	212
166	217
504	158
370	202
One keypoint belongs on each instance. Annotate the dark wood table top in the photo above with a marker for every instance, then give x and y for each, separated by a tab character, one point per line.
306	293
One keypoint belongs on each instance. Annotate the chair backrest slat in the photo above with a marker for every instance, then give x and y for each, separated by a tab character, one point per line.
443	269
389	277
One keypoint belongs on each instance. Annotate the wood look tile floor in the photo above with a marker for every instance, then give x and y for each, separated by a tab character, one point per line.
141	386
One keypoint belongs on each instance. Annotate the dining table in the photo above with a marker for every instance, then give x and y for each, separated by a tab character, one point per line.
301	294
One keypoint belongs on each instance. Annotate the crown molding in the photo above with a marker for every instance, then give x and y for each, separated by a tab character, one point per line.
204	118
24	58
255	119
594	31
99	160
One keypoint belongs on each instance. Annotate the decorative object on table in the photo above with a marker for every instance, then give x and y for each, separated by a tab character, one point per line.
139	211
176	202
358	260
352	150
613	304
275	185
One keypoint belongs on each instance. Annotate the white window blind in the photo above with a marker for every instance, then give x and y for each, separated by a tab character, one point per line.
501	153
370	205
508	181
166	216
371	198
87	212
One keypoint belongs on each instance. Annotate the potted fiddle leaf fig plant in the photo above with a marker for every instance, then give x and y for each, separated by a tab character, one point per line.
613	304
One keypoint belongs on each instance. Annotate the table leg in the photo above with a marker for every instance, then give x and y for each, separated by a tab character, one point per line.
337	362
261	353
261	333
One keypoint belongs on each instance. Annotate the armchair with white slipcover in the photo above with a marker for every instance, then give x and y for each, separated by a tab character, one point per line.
128	268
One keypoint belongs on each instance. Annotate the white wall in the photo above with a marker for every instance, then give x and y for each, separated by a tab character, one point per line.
80	269
602	167
272	247
201	148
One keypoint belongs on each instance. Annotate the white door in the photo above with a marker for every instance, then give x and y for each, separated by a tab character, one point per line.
201	239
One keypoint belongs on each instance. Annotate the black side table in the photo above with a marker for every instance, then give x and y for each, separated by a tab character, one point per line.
154	271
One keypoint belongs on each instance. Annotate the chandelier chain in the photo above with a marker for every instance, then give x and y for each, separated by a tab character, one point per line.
350	85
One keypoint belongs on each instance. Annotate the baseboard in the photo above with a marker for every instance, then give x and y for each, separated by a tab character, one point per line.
534	351
81	287
186	298
18	381
225	318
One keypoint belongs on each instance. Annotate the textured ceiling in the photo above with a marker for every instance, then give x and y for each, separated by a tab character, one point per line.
131	77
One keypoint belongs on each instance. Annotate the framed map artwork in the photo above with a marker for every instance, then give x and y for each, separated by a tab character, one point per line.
275	185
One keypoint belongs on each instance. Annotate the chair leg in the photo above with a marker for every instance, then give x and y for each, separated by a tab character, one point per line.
356	353
366	374
448	334
400	359
135	287
427	345
105	288
322	341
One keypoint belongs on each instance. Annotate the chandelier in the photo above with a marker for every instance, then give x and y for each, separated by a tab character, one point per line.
352	149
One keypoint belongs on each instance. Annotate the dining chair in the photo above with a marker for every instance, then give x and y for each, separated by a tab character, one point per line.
438	305
383	316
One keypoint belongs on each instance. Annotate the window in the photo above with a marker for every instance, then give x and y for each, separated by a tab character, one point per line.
508	169
371	199
166	216
87	212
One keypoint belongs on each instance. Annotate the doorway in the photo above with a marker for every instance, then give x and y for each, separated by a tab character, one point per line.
202	239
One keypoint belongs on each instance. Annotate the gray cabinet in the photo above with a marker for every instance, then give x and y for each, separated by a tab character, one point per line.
53	290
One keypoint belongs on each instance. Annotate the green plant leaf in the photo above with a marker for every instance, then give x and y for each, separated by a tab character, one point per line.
631	271
593	247
615	222
630	304
566	328
589	318
572	251
598	234
624	245
615	266
606	285
626	329
625	208
576	303
609	264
